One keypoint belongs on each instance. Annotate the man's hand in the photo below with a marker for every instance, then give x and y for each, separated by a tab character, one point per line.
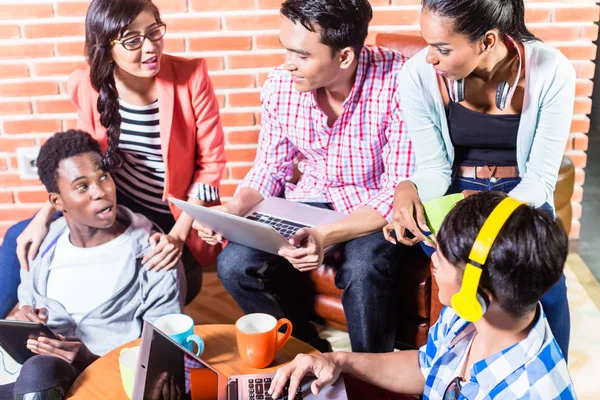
32	314
309	252
207	234
71	349
322	366
164	253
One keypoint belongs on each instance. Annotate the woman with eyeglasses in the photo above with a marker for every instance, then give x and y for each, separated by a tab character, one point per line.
157	119
488	106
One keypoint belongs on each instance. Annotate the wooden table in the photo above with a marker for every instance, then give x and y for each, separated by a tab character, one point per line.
102	379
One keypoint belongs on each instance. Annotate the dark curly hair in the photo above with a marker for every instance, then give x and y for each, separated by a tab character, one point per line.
60	146
105	21
526	259
343	23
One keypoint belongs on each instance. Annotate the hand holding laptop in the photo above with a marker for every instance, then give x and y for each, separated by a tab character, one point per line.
321	366
308	252
207	234
32	314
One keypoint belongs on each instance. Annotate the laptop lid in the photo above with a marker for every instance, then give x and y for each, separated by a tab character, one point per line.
167	370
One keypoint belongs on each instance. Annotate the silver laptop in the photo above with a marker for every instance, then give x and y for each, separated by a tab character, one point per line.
165	369
267	226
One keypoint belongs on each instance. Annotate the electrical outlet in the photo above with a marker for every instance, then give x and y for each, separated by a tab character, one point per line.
26	157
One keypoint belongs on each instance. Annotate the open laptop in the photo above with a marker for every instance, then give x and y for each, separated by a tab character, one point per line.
267	226
168	370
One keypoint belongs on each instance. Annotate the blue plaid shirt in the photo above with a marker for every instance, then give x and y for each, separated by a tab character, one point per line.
534	368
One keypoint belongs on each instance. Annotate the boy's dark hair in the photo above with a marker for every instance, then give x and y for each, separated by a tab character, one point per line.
343	23
474	18
526	259
60	146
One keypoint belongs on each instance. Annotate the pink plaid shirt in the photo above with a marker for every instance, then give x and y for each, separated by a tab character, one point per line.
358	161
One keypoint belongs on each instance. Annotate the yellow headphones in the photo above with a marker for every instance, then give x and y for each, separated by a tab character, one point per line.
468	303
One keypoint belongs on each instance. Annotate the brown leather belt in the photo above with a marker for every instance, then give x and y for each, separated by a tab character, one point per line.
487	172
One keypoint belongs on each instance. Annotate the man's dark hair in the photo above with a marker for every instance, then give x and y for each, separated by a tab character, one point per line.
60	146
526	259
343	23
474	18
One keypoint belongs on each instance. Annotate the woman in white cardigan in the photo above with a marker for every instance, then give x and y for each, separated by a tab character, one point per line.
488	107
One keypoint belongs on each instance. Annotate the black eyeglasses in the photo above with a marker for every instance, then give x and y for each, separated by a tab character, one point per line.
136	42
453	389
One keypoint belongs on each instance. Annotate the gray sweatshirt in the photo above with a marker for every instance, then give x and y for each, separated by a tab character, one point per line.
141	294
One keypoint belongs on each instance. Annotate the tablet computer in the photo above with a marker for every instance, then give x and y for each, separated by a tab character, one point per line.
14	336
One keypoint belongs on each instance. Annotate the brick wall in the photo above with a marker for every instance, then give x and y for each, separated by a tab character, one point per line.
41	42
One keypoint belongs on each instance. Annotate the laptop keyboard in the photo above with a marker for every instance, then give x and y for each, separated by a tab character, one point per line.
283	227
257	390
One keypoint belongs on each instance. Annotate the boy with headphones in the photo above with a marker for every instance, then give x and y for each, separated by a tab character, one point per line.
496	258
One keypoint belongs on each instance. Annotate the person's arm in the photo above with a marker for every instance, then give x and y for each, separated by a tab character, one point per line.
549	141
30	240
397	372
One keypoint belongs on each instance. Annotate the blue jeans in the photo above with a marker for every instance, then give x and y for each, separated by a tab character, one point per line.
554	302
9	268
368	273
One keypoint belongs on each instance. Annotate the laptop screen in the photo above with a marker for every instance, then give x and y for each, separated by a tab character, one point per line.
171	373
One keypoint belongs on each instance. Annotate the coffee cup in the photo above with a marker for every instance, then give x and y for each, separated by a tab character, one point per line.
180	328
257	338
127	363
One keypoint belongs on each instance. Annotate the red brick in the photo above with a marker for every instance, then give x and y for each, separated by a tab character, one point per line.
269	4
269	41
255	61
25	10
575	230
55	68
585	69
32	126
69	124
252	22
537	14
171	6
237	119
243	137
380	2
584	87
221	100
15	180
192	24
577	194
589	32
406	2
72	9
232	81
228	189
578	157
54	106
579	176
219	5
577	13
240	172
10	32
583	105
214	63
258	118
28	88
34	31
70	49
6	198
26	50
393	17
549	32
580	124
237	155
17	213
3	164
15	107
221	43
174	45
225	174
14	71
580	142
33	196
262	77
10	144
13	162
251	99
577	211
579	51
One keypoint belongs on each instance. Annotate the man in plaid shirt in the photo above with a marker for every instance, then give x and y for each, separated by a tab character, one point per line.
334	107
510	353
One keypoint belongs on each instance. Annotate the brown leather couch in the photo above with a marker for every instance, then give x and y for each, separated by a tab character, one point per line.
420	306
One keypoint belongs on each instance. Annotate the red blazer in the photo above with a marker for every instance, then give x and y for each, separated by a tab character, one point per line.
190	130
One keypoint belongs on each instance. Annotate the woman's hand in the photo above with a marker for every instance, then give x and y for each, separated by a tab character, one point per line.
71	349
407	206
206	233
30	240
321	366
165	252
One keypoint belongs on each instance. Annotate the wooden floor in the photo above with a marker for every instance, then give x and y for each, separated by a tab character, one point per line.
213	305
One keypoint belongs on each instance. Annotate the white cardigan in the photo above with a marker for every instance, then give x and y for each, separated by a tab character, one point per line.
543	131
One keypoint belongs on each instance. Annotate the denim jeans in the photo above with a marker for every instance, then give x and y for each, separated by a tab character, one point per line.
265	283
554	302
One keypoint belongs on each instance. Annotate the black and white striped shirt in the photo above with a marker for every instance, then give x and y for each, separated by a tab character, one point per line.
142	176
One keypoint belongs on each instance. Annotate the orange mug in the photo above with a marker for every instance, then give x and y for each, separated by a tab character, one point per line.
257	338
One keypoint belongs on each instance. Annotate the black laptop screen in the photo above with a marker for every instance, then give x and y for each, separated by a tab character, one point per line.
173	374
